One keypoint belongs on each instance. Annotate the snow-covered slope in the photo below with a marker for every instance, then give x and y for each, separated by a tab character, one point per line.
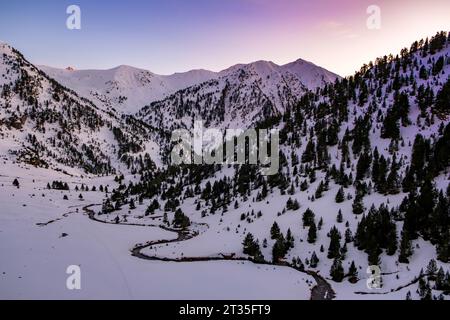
45	124
128	89
239	96
125	89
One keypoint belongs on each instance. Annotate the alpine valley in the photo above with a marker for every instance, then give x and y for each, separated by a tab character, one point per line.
359	208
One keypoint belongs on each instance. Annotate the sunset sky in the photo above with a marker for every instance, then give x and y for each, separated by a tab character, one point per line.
168	36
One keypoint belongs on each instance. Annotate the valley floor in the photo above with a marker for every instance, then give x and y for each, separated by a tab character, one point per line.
41	235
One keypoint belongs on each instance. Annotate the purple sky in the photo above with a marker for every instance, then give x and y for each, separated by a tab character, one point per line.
167	36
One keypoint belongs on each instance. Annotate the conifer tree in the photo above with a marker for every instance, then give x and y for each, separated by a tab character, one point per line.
181	220
275	231
319	190
443	99
432	269
335	246
308	218
314	261
353	273
405	247
440	279
312	233
279	249
348	236
290	241
339	218
358	206
340	196
337	271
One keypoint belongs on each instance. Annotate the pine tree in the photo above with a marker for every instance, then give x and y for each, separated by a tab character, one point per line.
279	249
275	231
320	224
339	217
358	205
312	233
335	246
423	73
16	183
353	273
374	255
343	251
308	218
408	295
309	154
298	264
319	190
363	166
424	290
390	129
251	248
440	280
248	244
340	196
180	220
337	271
392	182
290	241
426	202
348	236
304	185
405	247
132	204
295	205
432	269
314	261
107	207
391	242
443	247
443	99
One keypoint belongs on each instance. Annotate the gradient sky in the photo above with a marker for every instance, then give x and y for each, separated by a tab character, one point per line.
168	36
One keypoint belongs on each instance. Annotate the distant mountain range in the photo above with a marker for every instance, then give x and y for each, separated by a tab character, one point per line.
128	89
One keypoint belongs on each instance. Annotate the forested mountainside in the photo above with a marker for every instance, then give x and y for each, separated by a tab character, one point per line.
363	178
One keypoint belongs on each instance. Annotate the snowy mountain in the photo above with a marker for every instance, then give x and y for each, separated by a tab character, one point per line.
45	124
126	89
238	96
